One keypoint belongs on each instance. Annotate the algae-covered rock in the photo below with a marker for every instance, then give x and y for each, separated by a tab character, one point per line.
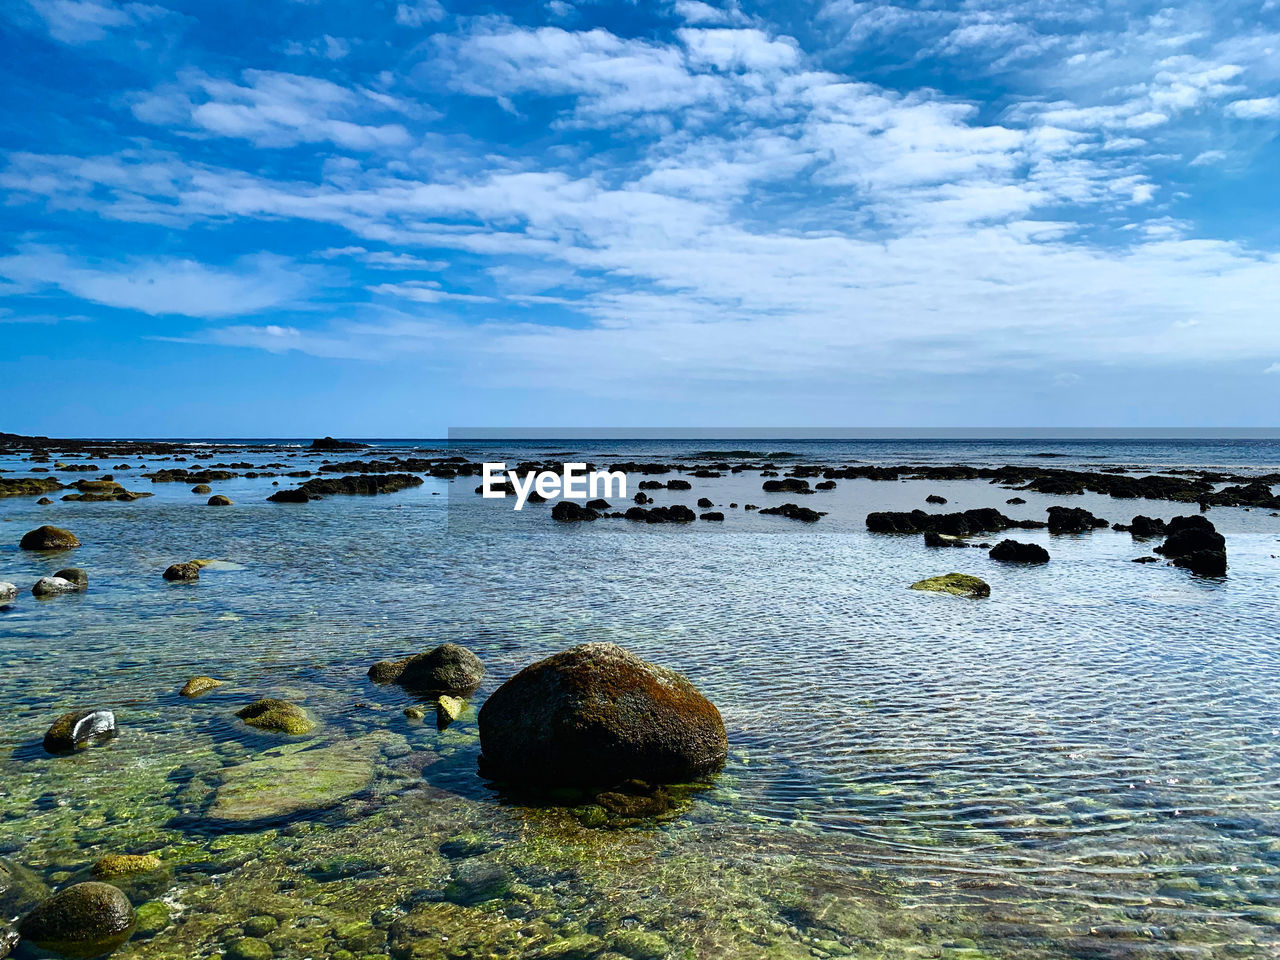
152	917
117	865
49	538
202	488
188	572
74	575
249	948
448	709
218	500
20	889
277	716
86	920
415	713
198	685
448	668
78	728
960	584
640	944
596	715
476	881
281	785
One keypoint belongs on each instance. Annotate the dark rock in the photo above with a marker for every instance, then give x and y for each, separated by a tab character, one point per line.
85	920
289	496
218	500
202	488
1015	501
676	513
679	485
1073	520
43	502
704	503
49	538
1146	559
981	520
786	485
366	485
793	511
598	504
932	538
1195	544
826	485
934	498
714	515
77	729
1011	551
567	511
188	572
329	445
1144	527
74	575
448	668
596	715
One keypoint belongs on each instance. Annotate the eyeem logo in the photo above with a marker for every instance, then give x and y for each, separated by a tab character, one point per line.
574	484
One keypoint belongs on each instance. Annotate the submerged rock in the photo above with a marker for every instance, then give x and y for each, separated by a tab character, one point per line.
198	685
448	709
448	668
932	538
289	496
116	865
8	592
1073	520
86	920
49	538
960	584
188	572
793	511
78	728
595	715
1195	544
287	784
566	511
202	488
1012	551
277	716
218	500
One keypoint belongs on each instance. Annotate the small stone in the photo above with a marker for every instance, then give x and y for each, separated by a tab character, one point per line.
449	709
198	685
183	573
78	728
117	865
415	713
277	716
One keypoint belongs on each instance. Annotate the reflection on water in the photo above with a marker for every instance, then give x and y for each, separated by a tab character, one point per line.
1083	765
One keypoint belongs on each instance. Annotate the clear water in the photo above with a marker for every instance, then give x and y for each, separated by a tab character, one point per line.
1083	765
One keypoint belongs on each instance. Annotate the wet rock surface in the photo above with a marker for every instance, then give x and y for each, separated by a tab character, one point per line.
959	584
85	920
76	729
1013	551
49	538
595	715
448	668
277	716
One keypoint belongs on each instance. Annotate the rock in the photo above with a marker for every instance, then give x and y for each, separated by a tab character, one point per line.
960	584
448	668
52	586
198	685
566	511
932	538
277	716
713	515
963	524
679	485
218	500
825	485
1144	527
289	496
44	502
117	865
8	940
415	713
598	504
1011	551
49	538
249	948
448	709
1073	520
1015	501
202	488
76	576
786	485
86	920
640	945
676	513
793	511
153	917
704	503
20	890
1194	544
1146	559
78	728
597	715
280	784
477	881
8	592
934	498
188	572
261	925
328	445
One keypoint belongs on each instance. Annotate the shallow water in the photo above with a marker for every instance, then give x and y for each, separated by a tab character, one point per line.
1084	764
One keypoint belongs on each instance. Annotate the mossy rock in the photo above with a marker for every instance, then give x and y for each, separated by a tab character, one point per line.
182	572
117	865
86	920
260	926
448	709
249	948
277	716
280	785
202	488
218	500
959	584
640	945
198	685
49	538
152	917
415	713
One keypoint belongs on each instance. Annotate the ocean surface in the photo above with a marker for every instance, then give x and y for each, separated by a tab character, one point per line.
1083	765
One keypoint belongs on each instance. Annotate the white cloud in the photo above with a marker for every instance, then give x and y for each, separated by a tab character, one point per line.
1261	108
426	291
417	13
273	110
79	22
1274	368
160	286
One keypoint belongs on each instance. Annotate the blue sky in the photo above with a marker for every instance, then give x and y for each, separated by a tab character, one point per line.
293	217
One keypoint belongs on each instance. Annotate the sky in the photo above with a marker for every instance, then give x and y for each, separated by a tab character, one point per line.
307	217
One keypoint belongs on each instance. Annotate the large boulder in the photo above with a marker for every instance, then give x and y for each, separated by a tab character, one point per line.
78	728
1013	551
596	715
448	668
85	920
49	538
1194	544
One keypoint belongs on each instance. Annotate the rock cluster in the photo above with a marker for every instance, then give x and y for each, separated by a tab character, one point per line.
1194	544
